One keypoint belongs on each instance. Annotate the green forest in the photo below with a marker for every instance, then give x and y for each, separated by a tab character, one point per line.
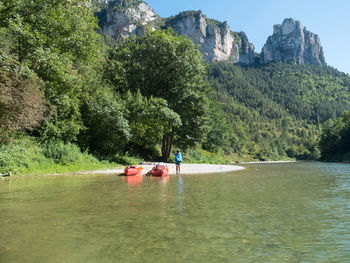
72	100
276	110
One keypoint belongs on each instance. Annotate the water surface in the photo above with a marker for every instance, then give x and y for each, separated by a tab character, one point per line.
296	212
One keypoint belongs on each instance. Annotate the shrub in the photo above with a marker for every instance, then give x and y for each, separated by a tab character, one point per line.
25	155
202	156
66	153
20	155
124	159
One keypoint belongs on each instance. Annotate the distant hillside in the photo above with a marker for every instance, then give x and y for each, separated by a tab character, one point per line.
277	109
306	92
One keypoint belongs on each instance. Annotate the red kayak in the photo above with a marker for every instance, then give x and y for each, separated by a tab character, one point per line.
132	170
160	170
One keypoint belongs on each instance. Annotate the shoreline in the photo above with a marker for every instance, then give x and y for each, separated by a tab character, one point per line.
185	169
266	162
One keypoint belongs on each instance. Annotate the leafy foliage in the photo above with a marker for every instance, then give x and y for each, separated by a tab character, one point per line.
54	39
307	92
164	65
25	155
274	111
21	99
335	140
64	153
107	129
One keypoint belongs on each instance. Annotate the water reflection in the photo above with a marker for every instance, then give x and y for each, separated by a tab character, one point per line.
180	193
134	180
164	180
6	181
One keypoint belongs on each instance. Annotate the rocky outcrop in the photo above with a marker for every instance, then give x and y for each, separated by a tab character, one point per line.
215	39
124	18
245	49
291	42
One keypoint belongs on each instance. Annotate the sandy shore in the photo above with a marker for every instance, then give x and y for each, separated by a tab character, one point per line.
185	169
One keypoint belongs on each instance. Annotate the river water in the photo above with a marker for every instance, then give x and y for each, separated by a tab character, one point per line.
293	212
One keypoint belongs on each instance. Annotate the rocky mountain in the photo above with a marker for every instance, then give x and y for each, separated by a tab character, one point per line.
215	39
292	42
289	42
122	18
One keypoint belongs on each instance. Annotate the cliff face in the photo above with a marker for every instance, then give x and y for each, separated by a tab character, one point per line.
123	18
291	42
215	39
245	48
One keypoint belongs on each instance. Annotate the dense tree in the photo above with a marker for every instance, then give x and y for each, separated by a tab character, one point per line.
54	39
275	110
164	65
130	123
150	119
307	92
107	129
335	140
22	103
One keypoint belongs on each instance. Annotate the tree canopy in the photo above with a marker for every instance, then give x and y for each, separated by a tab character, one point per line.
274	110
164	65
335	140
22	103
54	39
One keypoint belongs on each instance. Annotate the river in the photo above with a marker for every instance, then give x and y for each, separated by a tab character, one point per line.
285	212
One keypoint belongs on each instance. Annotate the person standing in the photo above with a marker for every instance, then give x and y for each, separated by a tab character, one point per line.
178	161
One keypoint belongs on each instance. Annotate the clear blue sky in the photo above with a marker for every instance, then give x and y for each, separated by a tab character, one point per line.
330	19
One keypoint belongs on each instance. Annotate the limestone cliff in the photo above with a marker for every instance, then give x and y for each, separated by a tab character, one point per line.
244	49
291	42
126	17
215	39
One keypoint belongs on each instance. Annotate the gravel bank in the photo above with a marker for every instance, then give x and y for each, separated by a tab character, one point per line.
185	169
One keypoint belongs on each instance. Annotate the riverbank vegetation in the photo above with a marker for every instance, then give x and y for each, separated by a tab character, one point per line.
335	140
70	99
25	155
276	110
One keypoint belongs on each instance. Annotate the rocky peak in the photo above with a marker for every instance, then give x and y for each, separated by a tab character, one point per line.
214	38
126	17
245	49
292	42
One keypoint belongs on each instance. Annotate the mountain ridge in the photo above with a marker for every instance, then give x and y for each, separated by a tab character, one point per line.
217	42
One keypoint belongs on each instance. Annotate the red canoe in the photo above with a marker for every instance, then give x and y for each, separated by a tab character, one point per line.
132	170
160	170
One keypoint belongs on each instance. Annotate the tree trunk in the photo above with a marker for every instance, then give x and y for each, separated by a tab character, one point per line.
166	146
